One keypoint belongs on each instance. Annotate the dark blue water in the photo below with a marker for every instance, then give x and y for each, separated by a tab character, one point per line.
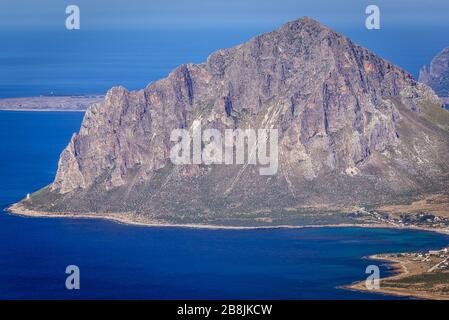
118	261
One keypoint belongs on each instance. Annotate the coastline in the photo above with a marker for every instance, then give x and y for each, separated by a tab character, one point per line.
19	210
69	103
400	271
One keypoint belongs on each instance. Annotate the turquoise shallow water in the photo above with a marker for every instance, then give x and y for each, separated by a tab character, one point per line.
119	261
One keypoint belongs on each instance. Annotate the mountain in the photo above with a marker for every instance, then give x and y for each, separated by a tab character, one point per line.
436	75
354	130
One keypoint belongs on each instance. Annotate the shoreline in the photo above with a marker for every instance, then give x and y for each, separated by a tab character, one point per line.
400	271
19	210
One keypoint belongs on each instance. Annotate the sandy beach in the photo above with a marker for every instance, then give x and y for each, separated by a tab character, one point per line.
20	210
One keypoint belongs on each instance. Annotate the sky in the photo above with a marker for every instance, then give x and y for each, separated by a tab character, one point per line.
151	14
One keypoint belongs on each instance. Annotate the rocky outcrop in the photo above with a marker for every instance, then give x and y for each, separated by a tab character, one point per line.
353	129
436	75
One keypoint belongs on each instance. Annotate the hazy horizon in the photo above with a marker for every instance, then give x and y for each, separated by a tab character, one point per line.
141	14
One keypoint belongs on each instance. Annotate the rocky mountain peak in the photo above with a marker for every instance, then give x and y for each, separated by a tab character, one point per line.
436	75
353	128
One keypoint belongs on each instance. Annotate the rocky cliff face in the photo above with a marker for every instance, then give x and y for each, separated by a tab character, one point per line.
353	129
436	75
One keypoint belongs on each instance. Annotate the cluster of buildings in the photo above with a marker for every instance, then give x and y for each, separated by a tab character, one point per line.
421	219
438	260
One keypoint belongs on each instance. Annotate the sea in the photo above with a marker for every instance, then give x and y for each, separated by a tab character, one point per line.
119	261
41	62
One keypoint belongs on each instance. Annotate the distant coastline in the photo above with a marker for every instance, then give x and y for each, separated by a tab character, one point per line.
42	110
50	103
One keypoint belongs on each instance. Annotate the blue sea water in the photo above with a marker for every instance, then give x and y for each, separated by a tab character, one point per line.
43	62
120	261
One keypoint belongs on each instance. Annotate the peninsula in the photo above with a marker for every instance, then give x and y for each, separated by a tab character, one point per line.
50	103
